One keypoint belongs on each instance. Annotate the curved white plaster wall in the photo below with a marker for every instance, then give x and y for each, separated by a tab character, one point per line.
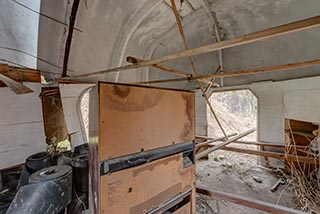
145	29
21	122
19	31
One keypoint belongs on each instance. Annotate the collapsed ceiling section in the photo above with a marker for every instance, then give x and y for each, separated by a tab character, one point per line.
106	32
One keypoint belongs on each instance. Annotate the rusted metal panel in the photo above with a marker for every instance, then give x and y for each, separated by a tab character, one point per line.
125	120
140	189
134	119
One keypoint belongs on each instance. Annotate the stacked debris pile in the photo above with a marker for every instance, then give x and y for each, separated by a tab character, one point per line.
303	178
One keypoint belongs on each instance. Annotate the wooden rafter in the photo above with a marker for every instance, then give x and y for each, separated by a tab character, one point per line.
19	74
160	67
241	40
169	70
241	72
15	86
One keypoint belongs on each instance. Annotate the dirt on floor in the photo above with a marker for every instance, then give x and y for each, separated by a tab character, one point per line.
236	173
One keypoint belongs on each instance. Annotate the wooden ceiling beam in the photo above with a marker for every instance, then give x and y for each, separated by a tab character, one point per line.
170	70
133	60
241	72
19	74
241	40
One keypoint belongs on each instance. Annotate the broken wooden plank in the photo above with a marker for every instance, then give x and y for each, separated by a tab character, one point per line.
266	144
274	145
198	145
248	202
15	86
241	72
272	155
160	67
221	145
19	74
297	125
241	40
304	134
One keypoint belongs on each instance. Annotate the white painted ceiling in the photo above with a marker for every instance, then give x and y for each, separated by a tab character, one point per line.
109	31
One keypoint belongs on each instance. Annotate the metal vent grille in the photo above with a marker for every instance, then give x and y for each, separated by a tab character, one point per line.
156	200
151	166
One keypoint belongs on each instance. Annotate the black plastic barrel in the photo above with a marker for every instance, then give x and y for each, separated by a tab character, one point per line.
80	168
38	161
49	191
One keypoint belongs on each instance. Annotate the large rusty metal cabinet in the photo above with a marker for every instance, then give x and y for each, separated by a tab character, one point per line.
141	150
